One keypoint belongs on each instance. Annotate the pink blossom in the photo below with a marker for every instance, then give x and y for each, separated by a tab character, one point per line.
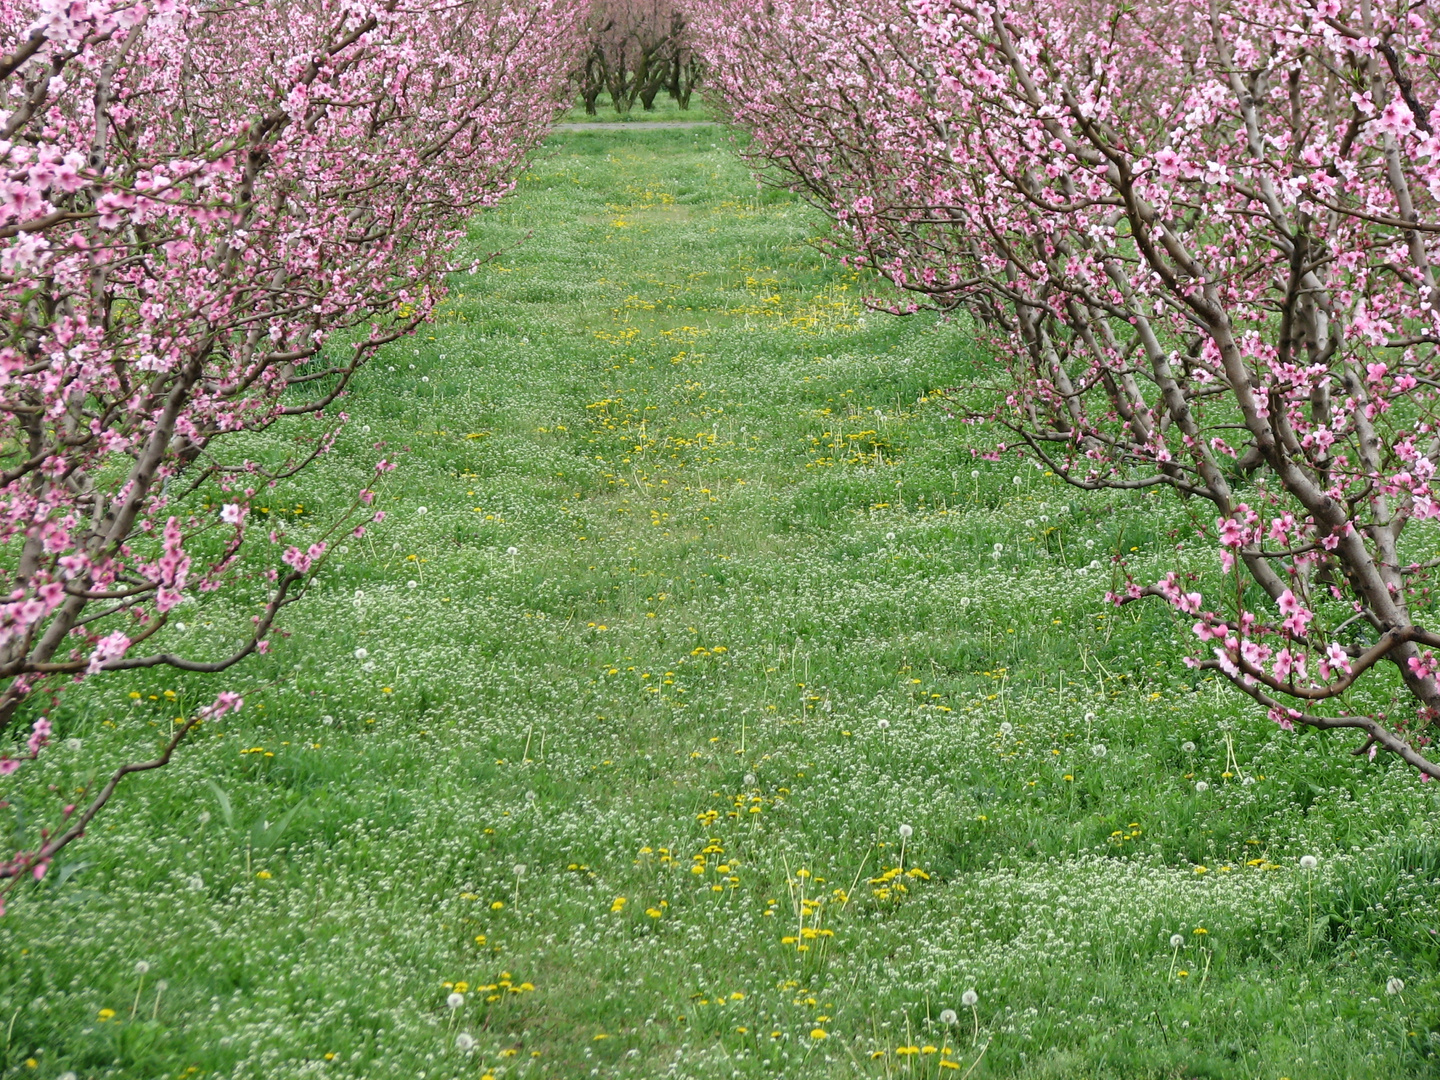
1135	276
111	647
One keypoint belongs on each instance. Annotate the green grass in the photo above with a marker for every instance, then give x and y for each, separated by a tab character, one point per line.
665	109
764	606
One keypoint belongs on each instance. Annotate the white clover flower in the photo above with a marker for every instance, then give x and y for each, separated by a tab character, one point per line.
1201	786
947	1016
1308	862
1394	984
455	1000
464	1043
1247	781
361	653
969	998
1099	750
906	832
1089	545
1176	940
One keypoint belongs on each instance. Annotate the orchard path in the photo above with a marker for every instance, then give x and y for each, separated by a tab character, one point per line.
691	594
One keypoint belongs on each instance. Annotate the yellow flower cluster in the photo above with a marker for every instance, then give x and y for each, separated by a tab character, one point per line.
505	984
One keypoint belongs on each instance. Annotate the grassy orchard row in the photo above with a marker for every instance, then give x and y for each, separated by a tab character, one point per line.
641	610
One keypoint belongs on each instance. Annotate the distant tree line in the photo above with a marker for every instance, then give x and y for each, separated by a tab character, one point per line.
637	48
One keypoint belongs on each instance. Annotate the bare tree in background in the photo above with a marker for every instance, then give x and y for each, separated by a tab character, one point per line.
637	49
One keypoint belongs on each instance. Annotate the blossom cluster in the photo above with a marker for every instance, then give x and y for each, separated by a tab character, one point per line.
1201	240
210	218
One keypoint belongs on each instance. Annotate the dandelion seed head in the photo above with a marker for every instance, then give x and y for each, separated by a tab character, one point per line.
969	999
141	967
422	510
412	584
1006	728
1201	786
1176	940
519	869
361	653
947	1016
906	832
1188	747
1099	750
749	780
1394	984
882	724
1308	862
512	551
455	1000
464	1042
